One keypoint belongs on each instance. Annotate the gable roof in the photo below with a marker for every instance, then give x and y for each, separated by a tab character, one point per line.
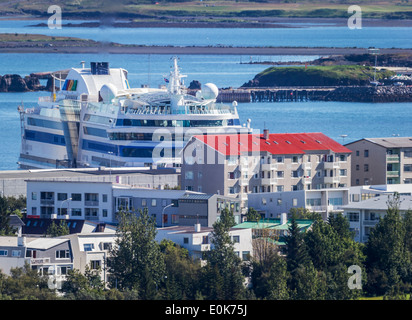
277	143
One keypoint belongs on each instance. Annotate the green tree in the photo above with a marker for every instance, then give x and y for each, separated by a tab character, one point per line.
55	230
388	259
25	284
252	215
136	262
223	265
87	286
5	228
182	272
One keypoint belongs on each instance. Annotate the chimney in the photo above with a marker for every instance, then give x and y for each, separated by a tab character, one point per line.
283	218
197	227
21	241
266	134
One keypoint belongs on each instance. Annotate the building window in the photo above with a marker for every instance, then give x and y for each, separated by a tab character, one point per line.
295	202
189	175
264	201
279	202
88	246
245	255
62	196
366	153
34	195
154	202
95	264
357	182
185	240
76	197
279	188
104	212
280	174
357	153
343	172
279	159
231	175
295	159
342	157
366	167
62	254
3	253
76	212
16	253
236	239
104	197
353	216
91	212
144	202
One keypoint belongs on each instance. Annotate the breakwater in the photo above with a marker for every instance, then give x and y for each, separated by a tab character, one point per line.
301	94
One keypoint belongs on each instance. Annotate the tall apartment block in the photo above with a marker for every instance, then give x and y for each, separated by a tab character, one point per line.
381	161
239	164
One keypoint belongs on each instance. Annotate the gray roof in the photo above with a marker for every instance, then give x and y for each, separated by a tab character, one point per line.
392	142
203	196
15	221
380	203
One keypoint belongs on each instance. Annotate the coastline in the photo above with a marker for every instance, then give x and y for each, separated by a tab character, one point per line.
81	47
248	22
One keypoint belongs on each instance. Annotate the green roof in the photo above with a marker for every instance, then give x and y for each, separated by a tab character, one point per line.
273	224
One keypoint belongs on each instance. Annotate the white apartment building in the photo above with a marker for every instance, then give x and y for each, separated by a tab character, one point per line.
364	215
323	201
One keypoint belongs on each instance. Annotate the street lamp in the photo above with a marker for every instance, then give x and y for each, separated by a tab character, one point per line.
163	211
61	205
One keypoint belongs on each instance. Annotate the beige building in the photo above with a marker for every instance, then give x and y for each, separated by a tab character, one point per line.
381	161
236	165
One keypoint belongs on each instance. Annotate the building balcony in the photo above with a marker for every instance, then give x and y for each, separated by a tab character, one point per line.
244	182
392	158
268	166
392	173
268	181
331	179
39	261
370	223
330	165
47	202
91	203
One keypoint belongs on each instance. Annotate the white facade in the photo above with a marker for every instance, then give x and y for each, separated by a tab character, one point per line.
92	250
323	201
363	216
72	200
196	239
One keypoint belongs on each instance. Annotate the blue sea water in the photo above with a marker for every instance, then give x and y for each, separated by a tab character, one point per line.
310	36
355	120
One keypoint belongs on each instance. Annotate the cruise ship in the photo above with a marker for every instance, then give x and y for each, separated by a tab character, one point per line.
96	119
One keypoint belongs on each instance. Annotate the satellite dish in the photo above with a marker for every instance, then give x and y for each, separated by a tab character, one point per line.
108	92
210	91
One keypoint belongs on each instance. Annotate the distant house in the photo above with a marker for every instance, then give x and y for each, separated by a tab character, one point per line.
280	227
50	256
197	239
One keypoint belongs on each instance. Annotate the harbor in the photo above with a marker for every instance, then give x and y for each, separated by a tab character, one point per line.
305	94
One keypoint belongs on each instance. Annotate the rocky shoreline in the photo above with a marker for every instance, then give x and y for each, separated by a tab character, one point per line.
17	83
370	94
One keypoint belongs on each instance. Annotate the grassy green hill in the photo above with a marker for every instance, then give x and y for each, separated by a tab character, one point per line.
397	9
340	75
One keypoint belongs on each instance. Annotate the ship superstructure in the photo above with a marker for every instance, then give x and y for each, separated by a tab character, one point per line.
97	119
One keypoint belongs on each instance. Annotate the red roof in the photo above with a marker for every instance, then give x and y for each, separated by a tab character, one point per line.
278	143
